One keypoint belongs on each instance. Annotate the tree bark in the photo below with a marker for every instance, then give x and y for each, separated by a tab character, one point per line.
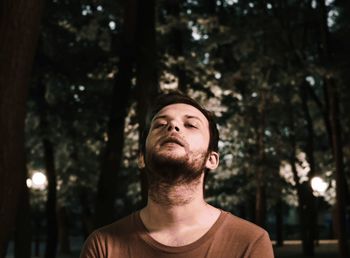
331	98
51	203
63	230
310	213
304	193
146	71
177	38
37	238
19	29
324	110
49	161
113	153
260	203
309	129
279	223
86	213
304	209
23	233
341	187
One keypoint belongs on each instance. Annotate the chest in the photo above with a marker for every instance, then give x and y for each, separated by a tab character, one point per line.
148	247
179	238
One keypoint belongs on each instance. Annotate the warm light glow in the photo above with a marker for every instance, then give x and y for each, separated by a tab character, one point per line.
318	185
38	180
112	25
29	183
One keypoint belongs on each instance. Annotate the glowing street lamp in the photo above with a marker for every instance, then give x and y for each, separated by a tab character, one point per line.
37	181
319	186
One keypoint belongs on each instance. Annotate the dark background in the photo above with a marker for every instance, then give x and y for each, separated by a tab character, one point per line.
77	79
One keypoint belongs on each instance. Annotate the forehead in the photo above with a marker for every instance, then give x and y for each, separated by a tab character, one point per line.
181	110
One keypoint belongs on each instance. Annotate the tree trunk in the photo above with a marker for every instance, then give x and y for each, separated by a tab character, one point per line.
63	230
304	193
112	156
19	29
86	214
37	239
23	233
341	187
146	71
260	203
324	110
309	128
177	38
279	223
330	90
311	211
51	216
306	218
49	161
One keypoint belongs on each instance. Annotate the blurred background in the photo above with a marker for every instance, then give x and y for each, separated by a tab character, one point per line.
78	77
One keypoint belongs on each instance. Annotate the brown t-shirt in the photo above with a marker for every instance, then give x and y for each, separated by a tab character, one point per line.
229	237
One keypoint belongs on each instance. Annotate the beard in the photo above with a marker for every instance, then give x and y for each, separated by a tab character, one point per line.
174	169
166	171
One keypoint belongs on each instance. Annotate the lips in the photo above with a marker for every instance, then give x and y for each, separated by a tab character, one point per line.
175	140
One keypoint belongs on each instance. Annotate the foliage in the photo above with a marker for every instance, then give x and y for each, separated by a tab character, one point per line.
232	54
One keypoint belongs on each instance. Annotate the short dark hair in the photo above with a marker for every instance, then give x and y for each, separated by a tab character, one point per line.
175	97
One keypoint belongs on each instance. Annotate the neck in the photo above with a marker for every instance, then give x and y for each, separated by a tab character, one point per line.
159	216
176	205
169	196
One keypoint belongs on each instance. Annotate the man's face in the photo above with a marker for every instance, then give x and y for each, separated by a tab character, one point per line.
177	144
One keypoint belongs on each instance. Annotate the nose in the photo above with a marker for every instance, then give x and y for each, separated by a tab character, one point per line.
172	126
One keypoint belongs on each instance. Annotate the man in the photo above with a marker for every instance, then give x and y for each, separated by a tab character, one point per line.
179	148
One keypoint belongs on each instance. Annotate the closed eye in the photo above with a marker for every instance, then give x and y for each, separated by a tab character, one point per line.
190	125
158	125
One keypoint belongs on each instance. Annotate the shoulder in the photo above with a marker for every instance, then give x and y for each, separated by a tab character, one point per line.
109	238
247	237
234	221
243	228
120	227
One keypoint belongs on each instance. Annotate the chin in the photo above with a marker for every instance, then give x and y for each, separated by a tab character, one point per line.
170	160
172	169
172	156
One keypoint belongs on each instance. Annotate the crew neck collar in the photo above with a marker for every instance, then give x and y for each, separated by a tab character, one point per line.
145	236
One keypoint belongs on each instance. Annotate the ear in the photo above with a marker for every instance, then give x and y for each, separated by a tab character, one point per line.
212	161
141	161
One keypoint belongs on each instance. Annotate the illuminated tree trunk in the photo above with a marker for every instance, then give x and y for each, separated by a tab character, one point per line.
19	29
